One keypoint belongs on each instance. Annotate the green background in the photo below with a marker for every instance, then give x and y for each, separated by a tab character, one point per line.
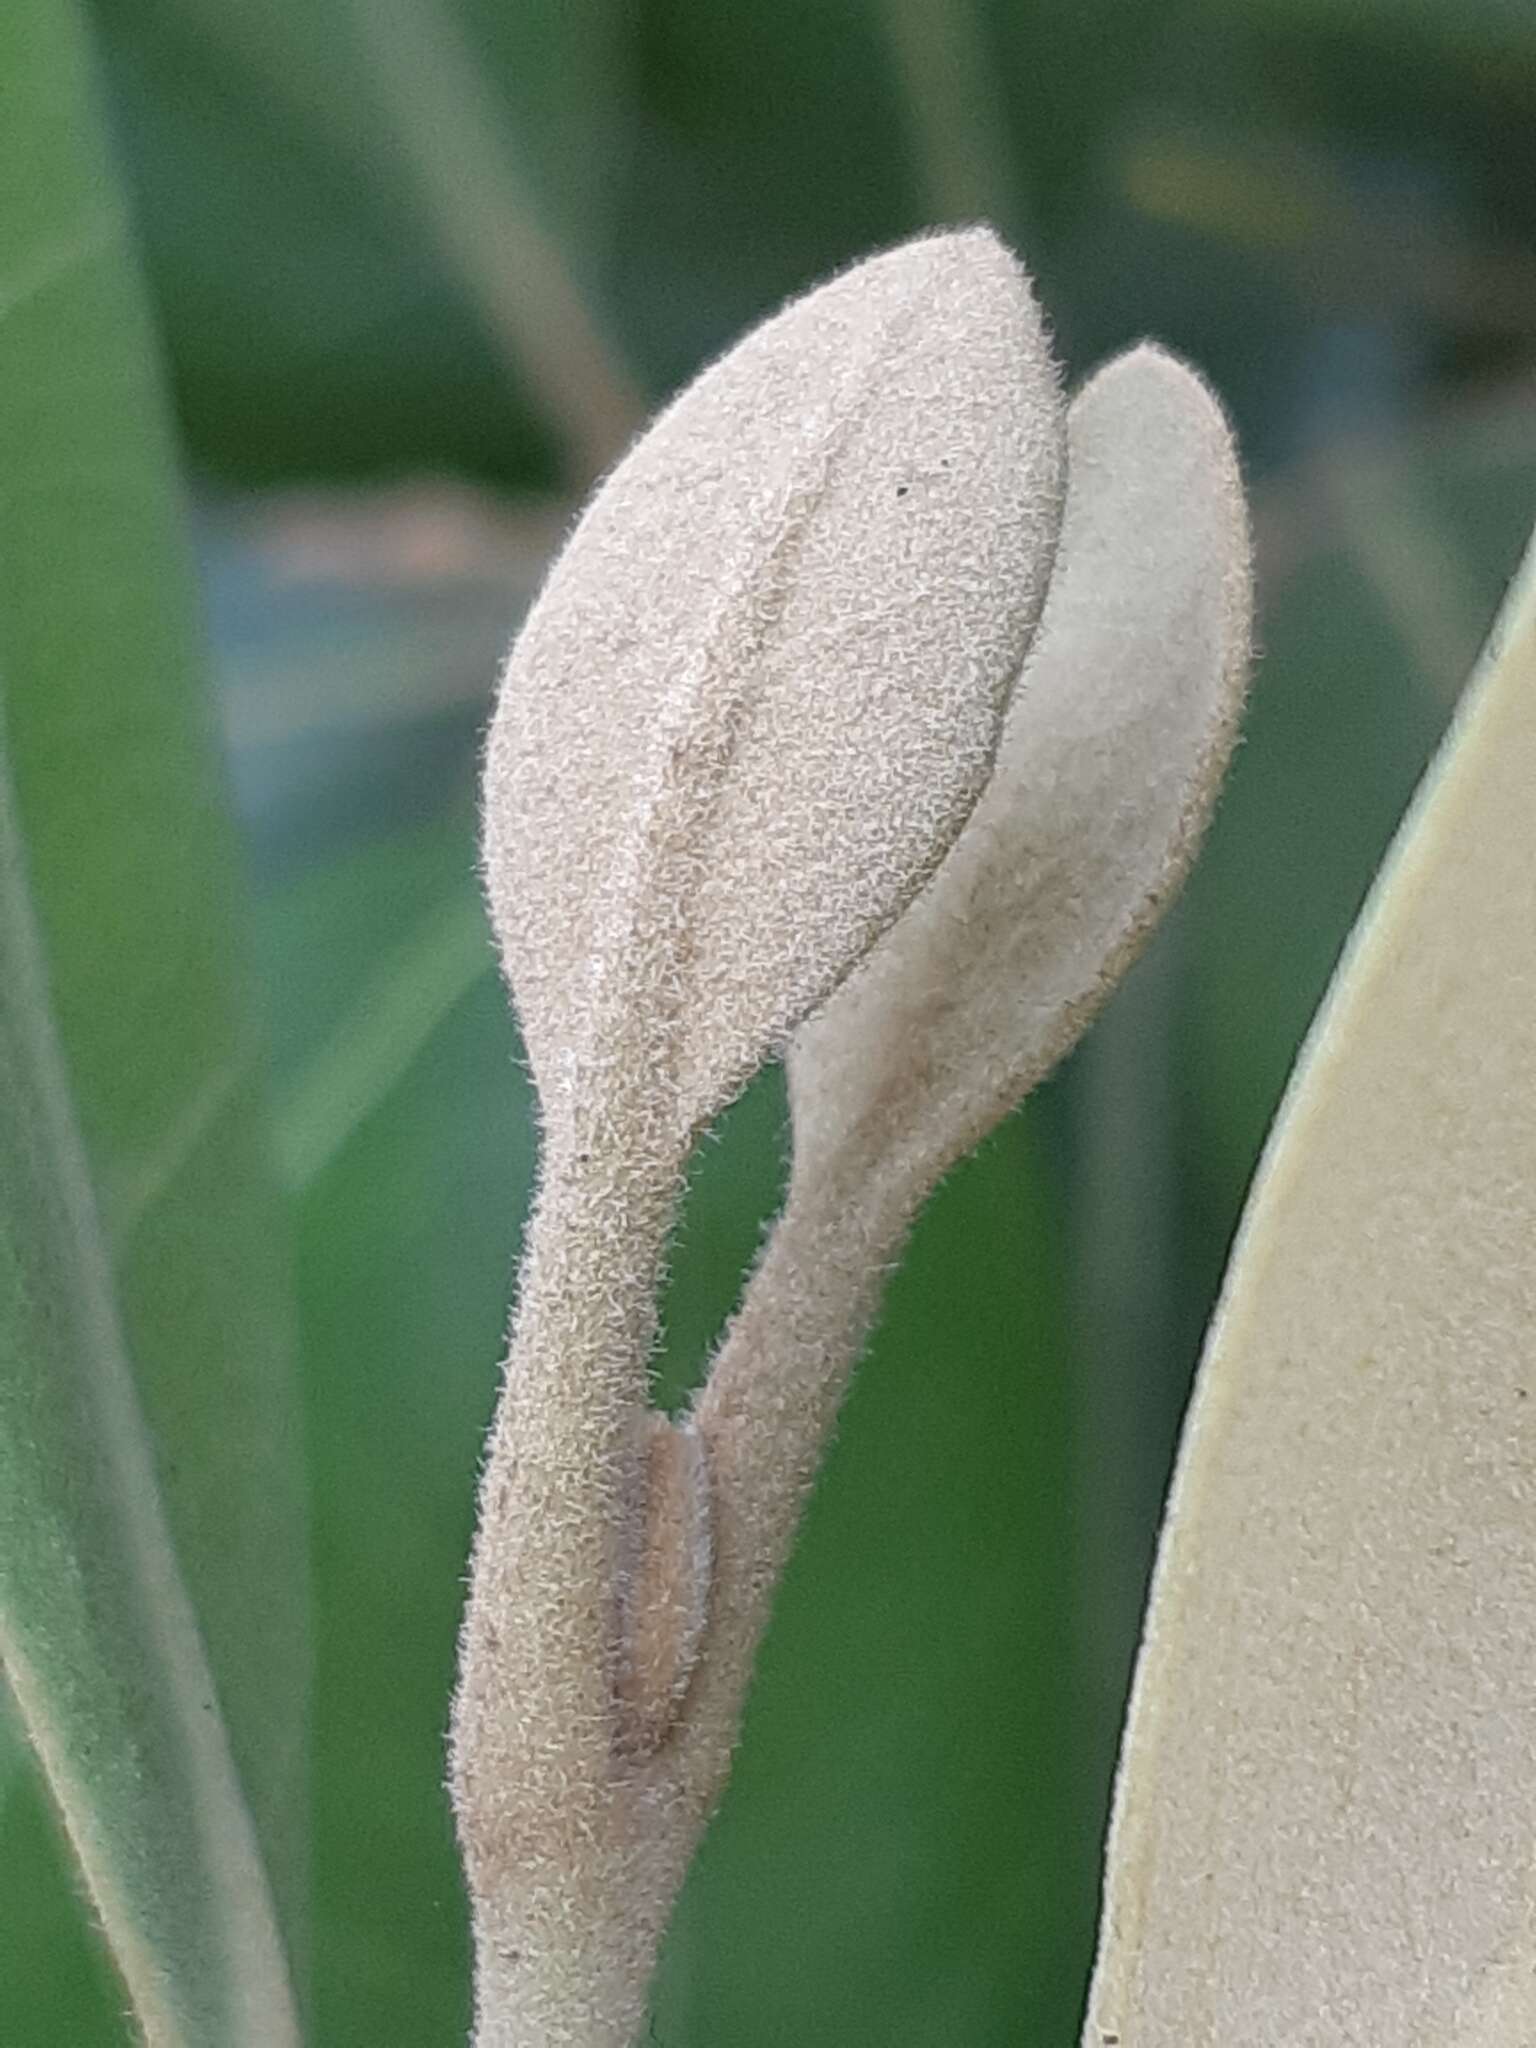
350	219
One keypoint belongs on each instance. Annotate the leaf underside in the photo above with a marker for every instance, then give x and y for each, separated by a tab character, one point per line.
1326	1805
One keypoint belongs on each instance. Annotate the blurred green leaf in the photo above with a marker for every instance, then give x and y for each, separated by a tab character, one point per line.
131	871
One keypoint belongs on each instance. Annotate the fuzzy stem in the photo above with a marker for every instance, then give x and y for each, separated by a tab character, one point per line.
764	1416
535	1730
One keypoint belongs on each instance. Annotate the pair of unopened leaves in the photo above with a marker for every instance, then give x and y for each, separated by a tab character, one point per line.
869	717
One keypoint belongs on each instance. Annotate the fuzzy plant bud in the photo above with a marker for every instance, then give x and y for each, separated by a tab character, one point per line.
749	714
762	687
781	761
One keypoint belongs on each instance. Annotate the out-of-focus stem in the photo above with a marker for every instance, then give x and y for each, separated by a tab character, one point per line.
471	189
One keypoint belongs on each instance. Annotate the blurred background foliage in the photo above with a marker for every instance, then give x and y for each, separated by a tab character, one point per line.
418	268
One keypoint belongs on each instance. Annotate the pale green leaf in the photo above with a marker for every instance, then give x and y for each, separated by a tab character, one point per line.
149	1400
1325	1812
